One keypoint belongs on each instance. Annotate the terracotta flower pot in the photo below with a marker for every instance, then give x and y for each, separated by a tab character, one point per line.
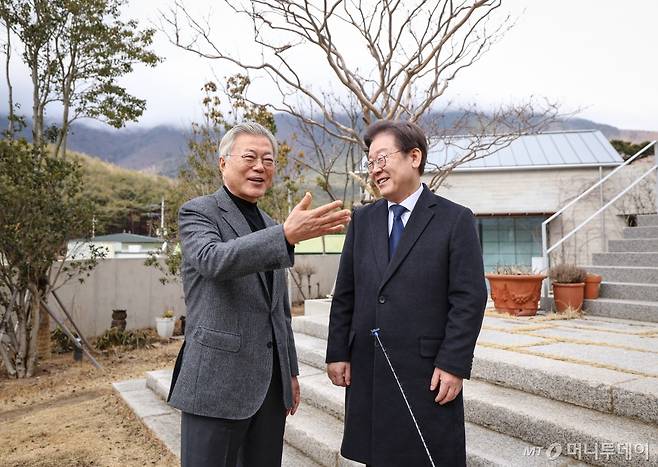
568	296
592	285
517	295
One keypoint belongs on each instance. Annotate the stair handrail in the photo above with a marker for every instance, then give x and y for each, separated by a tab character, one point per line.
544	226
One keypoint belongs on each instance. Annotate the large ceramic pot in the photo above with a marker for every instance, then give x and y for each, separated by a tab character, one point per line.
568	296
517	295
592	285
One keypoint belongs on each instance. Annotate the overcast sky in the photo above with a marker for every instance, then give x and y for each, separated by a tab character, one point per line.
596	55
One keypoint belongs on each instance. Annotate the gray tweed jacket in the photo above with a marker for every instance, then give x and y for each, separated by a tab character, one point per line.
226	366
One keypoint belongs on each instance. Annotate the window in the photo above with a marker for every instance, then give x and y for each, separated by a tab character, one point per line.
510	240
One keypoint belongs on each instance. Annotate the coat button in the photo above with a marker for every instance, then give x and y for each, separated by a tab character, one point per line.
382	299
269	345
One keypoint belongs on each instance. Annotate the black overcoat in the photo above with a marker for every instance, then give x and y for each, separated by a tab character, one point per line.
428	302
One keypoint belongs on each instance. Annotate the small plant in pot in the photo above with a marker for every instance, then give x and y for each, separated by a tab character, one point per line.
515	290
165	324
568	287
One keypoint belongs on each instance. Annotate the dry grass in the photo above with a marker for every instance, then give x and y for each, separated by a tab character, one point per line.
68	414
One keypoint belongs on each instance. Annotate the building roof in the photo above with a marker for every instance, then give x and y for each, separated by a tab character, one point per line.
559	149
127	238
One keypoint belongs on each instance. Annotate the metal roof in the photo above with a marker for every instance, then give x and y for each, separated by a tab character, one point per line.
127	238
539	151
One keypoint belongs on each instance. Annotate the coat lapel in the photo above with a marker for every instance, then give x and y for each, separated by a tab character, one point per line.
379	236
233	217
420	217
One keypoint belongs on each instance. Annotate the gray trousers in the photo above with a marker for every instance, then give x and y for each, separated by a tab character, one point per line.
253	442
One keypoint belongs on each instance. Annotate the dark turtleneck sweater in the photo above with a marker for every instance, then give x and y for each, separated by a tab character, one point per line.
255	220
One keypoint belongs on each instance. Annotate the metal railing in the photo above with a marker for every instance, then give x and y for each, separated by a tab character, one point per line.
546	250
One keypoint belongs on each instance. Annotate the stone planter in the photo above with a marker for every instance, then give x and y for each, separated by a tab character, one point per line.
517	295
165	327
592	285
568	296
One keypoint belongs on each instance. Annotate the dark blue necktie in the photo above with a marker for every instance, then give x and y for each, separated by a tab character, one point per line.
396	231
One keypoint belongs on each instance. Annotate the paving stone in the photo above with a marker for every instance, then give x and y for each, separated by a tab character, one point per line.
142	402
643	362
129	385
509	323
167	428
603	337
609	324
488	336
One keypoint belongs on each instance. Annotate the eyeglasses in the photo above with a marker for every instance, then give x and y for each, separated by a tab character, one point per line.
379	160
250	160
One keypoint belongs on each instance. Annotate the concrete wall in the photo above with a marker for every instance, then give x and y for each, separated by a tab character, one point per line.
120	283
128	284
326	269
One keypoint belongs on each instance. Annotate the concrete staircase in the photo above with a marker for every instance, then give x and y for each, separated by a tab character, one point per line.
630	274
520	408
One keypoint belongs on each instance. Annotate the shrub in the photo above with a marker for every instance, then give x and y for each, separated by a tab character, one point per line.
567	274
61	342
115	337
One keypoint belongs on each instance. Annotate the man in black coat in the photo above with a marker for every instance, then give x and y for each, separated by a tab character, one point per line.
412	267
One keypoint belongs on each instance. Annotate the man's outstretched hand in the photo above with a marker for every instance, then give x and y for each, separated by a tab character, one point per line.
304	223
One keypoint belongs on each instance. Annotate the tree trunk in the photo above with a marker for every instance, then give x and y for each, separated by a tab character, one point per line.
10	91
43	350
38	343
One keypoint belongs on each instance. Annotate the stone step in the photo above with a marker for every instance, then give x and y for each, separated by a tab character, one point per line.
625	259
634	245
317	435
545	422
646	220
644	275
609	391
324	404
164	421
640	232
624	309
629	291
311	350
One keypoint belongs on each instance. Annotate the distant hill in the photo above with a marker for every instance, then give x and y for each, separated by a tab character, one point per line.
161	149
125	200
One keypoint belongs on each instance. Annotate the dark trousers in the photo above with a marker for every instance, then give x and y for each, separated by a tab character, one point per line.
253	442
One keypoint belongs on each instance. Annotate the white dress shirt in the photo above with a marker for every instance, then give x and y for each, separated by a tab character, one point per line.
409	203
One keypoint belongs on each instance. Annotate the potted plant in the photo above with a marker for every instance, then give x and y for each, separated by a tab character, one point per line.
592	286
515	290
568	287
165	324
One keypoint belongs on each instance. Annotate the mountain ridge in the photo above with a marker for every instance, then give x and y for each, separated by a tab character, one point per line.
162	149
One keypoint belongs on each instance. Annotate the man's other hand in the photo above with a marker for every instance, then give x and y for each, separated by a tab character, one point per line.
449	386
304	223
296	396
340	373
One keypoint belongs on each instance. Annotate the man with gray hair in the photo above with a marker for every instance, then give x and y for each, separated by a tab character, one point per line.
235	379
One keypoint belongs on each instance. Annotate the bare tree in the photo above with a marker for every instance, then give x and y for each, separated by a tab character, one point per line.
407	54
